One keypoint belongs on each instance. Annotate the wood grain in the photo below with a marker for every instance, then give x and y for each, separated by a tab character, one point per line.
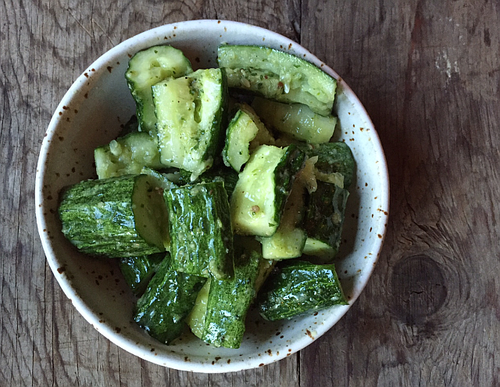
428	74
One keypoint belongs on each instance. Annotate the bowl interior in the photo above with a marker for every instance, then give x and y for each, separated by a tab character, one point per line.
91	114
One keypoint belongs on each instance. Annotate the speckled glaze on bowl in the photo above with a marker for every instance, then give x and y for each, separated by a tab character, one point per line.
90	114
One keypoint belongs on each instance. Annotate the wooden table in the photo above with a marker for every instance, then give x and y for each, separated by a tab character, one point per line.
429	75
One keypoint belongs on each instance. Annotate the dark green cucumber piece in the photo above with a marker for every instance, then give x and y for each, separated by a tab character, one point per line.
264	184
137	271
278	75
296	120
116	217
190	111
127	155
333	157
221	307
324	220
300	287
219	173
200	230
145	69
168	299
244	133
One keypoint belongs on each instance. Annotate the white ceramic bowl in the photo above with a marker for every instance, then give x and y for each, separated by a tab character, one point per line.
90	114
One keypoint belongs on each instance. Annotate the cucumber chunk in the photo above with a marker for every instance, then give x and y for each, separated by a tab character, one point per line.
264	184
278	75
290	238
296	120
127	155
116	217
244	133
324	221
145	69
219	315
200	226
137	271
190	111
167	301
300	287
333	157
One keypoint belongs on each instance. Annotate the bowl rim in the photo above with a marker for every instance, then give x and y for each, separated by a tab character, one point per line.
82	307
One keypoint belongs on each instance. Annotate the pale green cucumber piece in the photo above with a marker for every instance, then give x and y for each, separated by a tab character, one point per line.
244	133
264	184
145	69
163	178
300	287
200	230
278	75
167	301
296	120
116	217
127	155
196	318
190	111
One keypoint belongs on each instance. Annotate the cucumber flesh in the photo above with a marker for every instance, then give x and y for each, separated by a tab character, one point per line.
148	67
244	133
127	155
264	184
190	111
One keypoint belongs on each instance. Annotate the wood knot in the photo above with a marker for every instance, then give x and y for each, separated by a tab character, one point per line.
418	289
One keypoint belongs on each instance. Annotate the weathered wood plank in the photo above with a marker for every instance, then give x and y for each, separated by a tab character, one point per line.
429	77
430	311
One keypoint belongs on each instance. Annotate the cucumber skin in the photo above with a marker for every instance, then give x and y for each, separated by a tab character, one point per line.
296	120
167	301
137	271
334	157
200	230
278	75
97	217
228	303
300	287
326	214
284	175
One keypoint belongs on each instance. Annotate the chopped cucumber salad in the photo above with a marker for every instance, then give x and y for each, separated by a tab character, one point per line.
224	191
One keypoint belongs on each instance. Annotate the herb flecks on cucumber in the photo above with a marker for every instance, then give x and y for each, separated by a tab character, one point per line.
190	112
116	217
148	67
200	229
278	75
300	287
203	215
